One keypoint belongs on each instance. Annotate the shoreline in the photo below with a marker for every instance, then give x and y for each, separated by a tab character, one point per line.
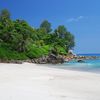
31	81
70	68
43	60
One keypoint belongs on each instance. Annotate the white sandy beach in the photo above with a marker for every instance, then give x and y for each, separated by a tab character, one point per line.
32	82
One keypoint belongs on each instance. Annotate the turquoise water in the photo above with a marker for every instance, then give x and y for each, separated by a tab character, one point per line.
88	65
93	54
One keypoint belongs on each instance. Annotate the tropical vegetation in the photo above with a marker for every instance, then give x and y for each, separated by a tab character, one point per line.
20	41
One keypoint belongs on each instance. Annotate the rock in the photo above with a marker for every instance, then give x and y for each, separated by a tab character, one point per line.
55	59
16	61
51	59
80	61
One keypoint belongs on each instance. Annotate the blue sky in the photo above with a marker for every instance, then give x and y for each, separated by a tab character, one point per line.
81	17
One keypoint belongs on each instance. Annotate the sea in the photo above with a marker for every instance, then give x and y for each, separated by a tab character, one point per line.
87	66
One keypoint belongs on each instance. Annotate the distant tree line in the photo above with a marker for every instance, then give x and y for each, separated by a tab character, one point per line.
18	40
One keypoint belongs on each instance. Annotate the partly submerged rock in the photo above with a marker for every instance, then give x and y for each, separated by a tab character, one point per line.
81	61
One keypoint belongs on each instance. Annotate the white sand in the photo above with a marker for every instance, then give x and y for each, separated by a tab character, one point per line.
32	82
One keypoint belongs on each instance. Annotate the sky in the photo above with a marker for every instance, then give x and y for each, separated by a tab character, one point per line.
81	17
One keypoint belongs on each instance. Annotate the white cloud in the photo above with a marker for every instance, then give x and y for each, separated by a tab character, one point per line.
75	19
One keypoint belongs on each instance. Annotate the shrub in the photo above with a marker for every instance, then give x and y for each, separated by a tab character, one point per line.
35	52
7	54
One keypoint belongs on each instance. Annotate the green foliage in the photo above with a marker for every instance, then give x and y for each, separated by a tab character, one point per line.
35	52
46	26
4	14
61	31
64	38
18	40
24	31
61	50
7	54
